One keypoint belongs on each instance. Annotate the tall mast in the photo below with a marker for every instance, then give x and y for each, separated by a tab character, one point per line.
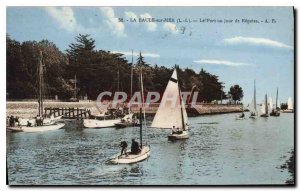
75	88
41	81
254	97
266	104
141	121
143	98
118	79
180	100
131	76
276	99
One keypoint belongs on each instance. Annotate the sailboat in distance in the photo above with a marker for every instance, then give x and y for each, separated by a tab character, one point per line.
253	110
290	108
274	111
264	108
172	116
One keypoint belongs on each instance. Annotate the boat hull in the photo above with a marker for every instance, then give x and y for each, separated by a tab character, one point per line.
130	158
264	115
183	135
94	123
276	114
37	128
288	111
122	125
14	129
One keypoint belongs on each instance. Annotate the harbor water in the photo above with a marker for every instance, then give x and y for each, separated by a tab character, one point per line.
220	151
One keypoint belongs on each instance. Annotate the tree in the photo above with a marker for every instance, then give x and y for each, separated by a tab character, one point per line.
209	87
96	71
236	93
82	50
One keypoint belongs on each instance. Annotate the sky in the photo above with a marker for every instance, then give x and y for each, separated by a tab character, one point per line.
258	44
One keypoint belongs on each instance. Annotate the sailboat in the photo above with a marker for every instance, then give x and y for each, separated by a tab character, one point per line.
110	118
264	108
253	110
172	117
45	124
290	108
130	119
144	153
274	111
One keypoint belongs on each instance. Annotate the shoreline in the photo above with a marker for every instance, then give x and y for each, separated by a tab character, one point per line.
27	109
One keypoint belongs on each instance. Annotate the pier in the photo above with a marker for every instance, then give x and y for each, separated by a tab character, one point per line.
68	113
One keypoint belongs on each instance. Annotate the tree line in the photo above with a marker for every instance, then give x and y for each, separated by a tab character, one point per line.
96	71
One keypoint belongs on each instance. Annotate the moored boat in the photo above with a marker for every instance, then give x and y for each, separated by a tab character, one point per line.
41	122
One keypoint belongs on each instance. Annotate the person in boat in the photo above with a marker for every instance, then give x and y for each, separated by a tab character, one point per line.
38	120
28	124
7	121
252	114
12	121
17	121
242	115
124	148
176	130
135	148
42	120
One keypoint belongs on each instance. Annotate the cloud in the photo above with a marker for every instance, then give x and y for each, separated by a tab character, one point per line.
145	54
131	15
221	62
65	17
170	27
112	22
255	41
151	26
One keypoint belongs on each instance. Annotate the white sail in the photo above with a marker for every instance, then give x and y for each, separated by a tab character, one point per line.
252	106
185	117
263	108
253	102
290	103
168	114
271	103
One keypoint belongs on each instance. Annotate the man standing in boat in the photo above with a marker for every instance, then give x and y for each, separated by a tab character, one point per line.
124	148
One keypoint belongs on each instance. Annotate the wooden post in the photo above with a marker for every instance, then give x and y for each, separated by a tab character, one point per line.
77	113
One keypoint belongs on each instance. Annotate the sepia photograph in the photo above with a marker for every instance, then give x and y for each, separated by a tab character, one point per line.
150	96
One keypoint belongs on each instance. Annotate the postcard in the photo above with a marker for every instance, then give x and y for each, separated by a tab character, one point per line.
150	96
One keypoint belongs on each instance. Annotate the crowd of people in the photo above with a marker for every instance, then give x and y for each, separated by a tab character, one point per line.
13	121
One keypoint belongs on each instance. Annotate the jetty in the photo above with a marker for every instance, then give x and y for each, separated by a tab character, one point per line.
68	113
